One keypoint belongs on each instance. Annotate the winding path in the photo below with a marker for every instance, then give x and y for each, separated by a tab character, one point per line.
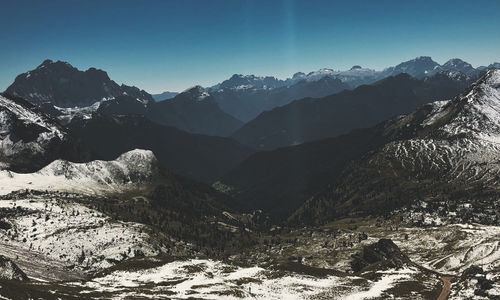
446	288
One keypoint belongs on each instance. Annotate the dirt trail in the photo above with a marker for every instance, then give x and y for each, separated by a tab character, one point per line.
446	288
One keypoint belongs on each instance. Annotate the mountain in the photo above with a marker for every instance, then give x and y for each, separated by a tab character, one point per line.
419	67
200	157
246	81
373	170
246	96
65	86
29	139
65	92
353	77
129	169
312	119
164	96
246	102
280	181
494	65
79	218
195	111
120	105
446	155
458	65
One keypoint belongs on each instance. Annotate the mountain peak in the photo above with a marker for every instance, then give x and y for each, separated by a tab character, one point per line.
46	63
65	86
475	113
423	58
197	93
455	61
356	67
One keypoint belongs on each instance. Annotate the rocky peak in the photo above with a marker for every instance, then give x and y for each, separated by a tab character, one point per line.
196	93
65	86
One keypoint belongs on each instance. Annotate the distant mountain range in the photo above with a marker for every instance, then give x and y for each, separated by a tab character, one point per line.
246	102
246	96
313	119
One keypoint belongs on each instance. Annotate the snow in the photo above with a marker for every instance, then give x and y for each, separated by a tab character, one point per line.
385	283
466	142
95	177
26	115
209	279
63	230
68	113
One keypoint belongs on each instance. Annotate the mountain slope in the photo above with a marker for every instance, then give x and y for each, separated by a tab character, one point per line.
312	119
29	139
203	158
78	218
63	85
195	111
280	181
94	177
449	154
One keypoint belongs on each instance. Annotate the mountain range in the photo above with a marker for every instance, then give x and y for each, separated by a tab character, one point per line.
246	96
312	119
388	189
64	92
442	151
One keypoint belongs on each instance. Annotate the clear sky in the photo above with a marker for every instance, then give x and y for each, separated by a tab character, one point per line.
172	45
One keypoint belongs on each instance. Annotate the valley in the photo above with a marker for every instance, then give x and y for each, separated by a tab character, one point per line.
355	184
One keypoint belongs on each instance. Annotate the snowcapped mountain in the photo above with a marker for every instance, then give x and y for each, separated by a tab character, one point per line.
62	85
95	177
246	96
419	67
239	81
73	216
458	65
353	77
247	103
29	139
444	151
200	157
313	119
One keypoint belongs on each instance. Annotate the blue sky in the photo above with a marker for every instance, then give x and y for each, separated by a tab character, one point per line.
172	45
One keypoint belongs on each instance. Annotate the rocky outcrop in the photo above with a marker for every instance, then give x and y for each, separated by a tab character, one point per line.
384	254
10	271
